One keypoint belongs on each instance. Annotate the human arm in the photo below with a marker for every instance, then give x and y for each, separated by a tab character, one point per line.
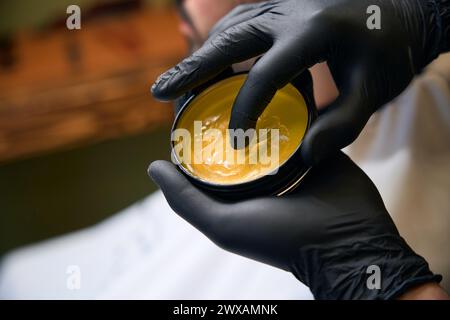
327	233
370	66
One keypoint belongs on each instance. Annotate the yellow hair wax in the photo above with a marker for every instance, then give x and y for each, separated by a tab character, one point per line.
203	148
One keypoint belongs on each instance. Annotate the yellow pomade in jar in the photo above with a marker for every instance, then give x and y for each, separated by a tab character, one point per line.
211	109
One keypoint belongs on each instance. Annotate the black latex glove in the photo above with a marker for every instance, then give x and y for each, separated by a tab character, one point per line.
370	67
327	233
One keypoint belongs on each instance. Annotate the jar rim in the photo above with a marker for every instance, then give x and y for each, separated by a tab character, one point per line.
311	112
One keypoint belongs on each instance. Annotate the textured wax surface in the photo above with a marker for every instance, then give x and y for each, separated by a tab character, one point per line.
222	164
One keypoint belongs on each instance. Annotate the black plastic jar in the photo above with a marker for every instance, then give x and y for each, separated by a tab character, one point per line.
291	170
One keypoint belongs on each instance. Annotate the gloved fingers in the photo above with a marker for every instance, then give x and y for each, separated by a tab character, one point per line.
341	124
239	14
303	80
236	44
273	71
186	200
260	229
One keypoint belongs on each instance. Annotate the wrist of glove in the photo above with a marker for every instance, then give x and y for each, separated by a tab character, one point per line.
443	22
342	270
437	28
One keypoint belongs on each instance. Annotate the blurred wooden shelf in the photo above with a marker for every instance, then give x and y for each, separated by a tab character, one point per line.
68	88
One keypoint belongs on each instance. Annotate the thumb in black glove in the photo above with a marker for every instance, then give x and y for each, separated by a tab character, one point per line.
327	233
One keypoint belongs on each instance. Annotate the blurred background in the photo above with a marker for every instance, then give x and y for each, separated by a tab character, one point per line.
78	126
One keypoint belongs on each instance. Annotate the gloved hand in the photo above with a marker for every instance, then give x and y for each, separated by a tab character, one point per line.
327	233
370	67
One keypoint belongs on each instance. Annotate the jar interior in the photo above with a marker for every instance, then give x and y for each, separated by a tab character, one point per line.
201	141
